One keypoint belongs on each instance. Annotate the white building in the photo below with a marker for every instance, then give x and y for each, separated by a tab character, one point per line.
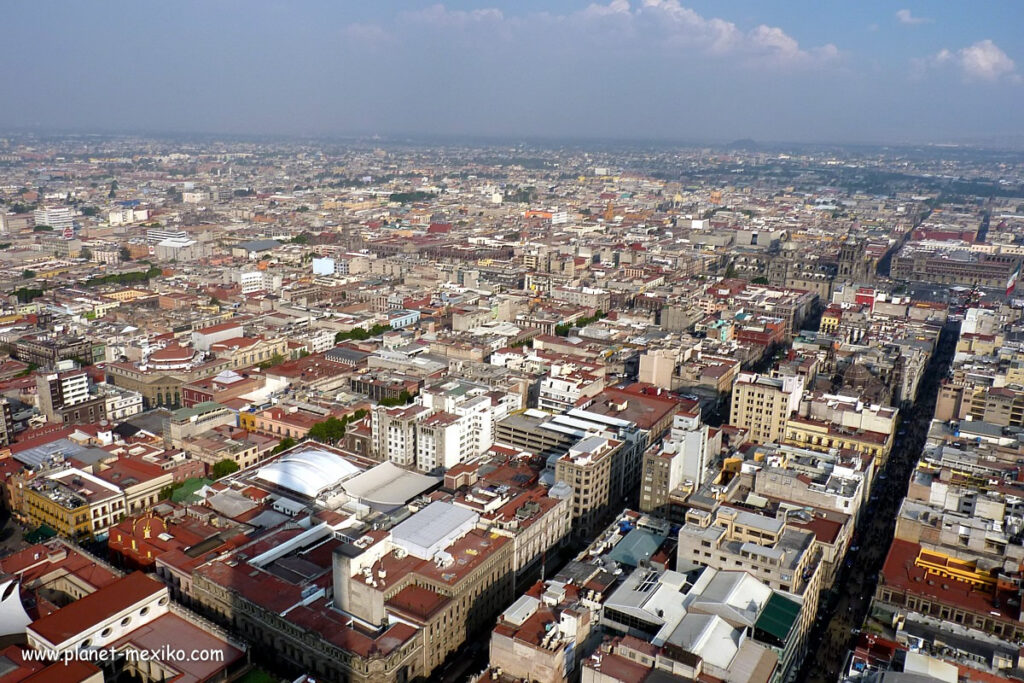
57	218
688	444
324	266
121	404
256	281
443	440
127	216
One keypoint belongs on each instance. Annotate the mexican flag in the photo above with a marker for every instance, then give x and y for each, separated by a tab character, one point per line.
1011	284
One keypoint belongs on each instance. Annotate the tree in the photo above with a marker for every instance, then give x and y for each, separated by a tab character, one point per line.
90	211
283	445
402	399
730	272
410	197
759	281
125	254
329	431
42	228
28	274
276	359
224	468
25	294
168	491
85	253
359	334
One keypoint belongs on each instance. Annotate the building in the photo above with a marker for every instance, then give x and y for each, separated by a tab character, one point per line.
59	218
762	405
74	503
593	469
46	351
6	423
780	555
683	460
202	417
56	390
134	614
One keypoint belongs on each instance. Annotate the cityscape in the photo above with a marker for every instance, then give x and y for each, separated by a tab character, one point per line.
457	403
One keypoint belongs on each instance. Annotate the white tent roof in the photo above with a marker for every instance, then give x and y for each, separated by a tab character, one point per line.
308	472
388	484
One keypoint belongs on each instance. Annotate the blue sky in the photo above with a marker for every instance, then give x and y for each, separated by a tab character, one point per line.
649	69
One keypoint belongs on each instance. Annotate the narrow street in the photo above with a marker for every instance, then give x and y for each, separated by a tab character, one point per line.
844	608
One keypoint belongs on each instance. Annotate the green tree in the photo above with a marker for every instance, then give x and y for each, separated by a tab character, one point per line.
168	491
329	431
276	359
730	271
42	228
125	254
401	400
759	281
25	294
28	274
224	468
410	197
85	253
283	445
359	334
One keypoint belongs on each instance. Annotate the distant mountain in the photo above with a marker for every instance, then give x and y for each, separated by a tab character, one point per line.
746	144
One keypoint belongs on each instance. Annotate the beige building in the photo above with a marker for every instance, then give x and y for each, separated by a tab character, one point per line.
762	405
780	555
596	483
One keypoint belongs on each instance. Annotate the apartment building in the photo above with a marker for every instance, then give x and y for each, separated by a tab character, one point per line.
72	502
779	554
590	469
762	405
685	456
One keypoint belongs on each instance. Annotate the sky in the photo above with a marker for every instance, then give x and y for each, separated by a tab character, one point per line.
677	70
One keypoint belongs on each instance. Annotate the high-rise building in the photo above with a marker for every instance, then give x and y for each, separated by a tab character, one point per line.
57	218
761	405
57	390
683	458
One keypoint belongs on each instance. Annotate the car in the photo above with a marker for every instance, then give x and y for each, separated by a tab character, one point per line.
854	548
883	476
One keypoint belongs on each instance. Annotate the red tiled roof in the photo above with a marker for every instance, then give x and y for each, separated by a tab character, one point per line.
69	621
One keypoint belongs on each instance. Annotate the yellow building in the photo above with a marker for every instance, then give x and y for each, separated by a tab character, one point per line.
244	352
762	404
129	294
830	320
822	436
73	503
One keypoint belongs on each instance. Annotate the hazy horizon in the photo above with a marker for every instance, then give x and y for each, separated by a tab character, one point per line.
632	71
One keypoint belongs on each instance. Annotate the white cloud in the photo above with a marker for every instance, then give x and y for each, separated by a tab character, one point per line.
904	16
982	61
643	25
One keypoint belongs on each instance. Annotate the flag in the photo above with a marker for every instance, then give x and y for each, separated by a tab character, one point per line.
1011	284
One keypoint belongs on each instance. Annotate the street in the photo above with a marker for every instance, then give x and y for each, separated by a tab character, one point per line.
843	609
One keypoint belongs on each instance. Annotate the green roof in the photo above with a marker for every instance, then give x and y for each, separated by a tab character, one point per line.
637	545
39	535
778	616
183	414
186	492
